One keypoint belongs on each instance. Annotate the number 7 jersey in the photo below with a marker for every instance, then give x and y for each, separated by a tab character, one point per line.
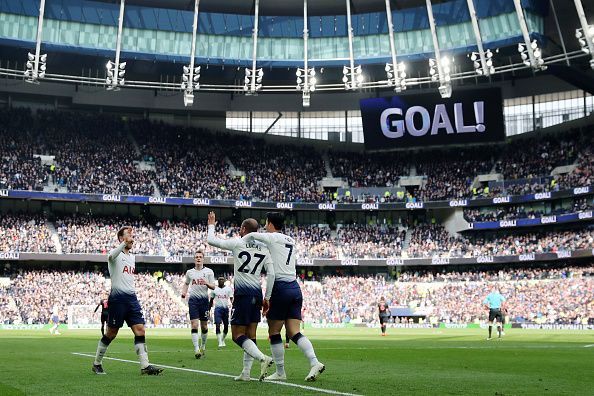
282	250
249	258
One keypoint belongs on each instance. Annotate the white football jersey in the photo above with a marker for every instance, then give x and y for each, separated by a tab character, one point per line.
221	296
282	250
122	268
195	279
248	260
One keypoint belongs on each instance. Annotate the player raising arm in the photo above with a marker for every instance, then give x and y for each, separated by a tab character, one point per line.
284	305
198	280
248	260
219	297
123	304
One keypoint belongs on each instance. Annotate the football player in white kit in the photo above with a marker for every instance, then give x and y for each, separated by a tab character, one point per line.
220	297
123	304
198	280
248	260
285	303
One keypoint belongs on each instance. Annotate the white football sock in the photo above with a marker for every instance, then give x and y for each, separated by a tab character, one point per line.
195	341
307	348
252	349
278	355
247	363
142	354
101	349
204	337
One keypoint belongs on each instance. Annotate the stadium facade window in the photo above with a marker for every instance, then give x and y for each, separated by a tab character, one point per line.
523	114
526	113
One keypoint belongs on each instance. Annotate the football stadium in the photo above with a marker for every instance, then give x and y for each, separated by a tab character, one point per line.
293	197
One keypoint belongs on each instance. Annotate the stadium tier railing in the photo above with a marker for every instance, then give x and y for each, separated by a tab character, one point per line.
326	206
565	255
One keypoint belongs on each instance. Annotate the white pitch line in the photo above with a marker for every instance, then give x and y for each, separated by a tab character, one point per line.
589	346
311	388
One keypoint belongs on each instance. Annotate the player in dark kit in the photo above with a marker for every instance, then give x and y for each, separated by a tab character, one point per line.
104	304
384	315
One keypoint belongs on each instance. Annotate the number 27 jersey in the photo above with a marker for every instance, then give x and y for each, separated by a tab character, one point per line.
282	250
249	258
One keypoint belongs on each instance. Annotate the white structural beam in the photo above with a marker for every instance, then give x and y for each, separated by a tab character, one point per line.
586	29
255	44
350	33
36	63
478	37
525	33
396	72
445	85
39	34
116	70
194	33
191	75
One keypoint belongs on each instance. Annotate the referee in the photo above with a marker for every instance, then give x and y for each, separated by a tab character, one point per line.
494	303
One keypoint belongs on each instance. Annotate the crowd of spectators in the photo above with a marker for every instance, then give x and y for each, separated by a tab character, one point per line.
540	295
93	154
192	162
364	170
450	173
562	295
97	235
19	168
512	212
38	293
23	233
86	234
370	241
430	240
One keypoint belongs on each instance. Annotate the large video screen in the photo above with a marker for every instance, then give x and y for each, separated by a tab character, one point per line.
469	116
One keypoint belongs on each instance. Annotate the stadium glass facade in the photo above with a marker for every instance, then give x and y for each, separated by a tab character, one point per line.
154	33
523	114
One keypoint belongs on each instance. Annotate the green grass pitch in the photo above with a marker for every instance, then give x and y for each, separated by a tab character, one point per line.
358	361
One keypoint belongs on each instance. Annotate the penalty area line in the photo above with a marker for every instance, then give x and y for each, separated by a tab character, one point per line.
311	388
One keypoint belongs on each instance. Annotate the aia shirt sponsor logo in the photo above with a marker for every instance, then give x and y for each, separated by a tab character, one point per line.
199	281
129	270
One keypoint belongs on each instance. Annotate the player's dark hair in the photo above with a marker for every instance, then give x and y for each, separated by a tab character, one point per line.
199	251
121	231
277	219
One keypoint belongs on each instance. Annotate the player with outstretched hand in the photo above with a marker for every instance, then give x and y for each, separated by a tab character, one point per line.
198	280
220	297
123	304
249	258
285	303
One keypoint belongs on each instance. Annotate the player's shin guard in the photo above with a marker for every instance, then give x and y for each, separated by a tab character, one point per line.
499	331
249	347
306	347
195	340
490	330
278	353
140	347
101	349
